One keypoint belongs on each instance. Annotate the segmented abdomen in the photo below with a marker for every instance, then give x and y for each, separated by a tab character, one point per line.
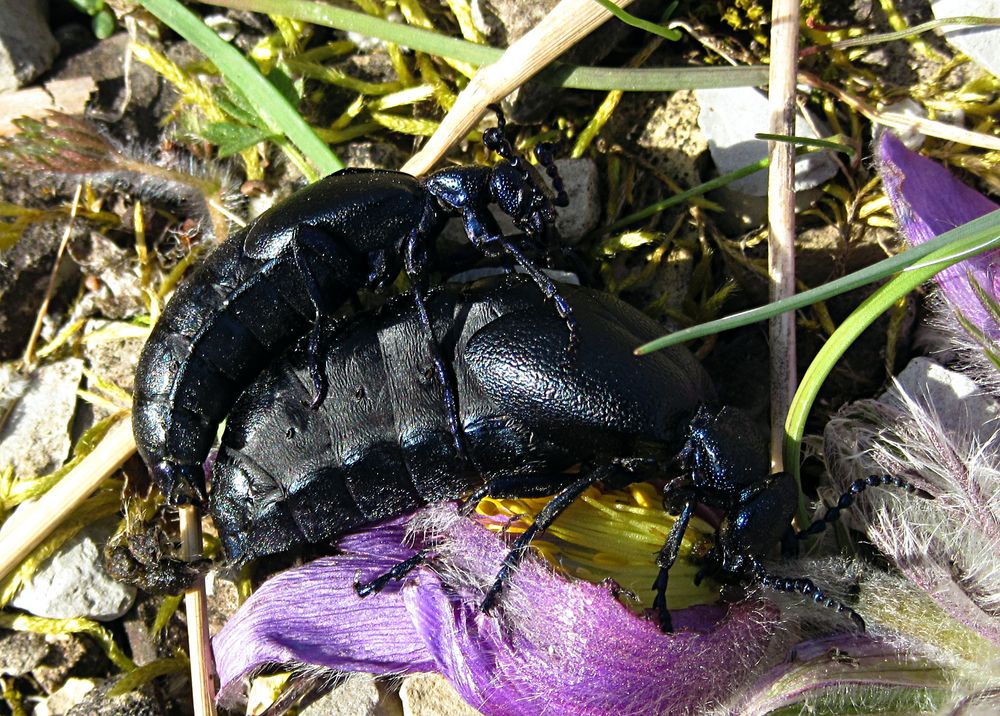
218	332
288	475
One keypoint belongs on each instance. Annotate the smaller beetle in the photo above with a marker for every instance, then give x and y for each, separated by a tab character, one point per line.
296	263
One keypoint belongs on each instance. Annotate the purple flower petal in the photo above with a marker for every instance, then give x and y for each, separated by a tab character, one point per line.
831	672
578	651
311	615
553	645
928	200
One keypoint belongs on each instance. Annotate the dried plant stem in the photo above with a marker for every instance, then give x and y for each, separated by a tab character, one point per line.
29	351
898	120
196	607
781	215
568	22
35	522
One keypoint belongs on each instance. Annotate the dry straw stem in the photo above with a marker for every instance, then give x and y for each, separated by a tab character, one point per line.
33	523
567	23
897	120
196	608
29	351
781	216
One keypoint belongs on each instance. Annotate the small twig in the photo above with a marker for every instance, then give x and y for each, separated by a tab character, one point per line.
196	607
781	216
567	23
33	523
29	352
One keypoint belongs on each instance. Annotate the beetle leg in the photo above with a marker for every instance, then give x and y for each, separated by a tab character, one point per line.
397	572
316	298
665	560
513	486
414	270
547	287
553	508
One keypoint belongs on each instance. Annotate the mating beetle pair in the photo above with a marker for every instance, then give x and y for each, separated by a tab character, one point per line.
380	446
439	393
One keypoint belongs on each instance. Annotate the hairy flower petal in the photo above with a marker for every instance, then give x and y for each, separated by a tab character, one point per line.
936	433
552	645
928	200
311	615
834	674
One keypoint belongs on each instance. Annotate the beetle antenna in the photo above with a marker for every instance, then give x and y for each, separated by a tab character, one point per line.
495	139
545	154
805	587
856	488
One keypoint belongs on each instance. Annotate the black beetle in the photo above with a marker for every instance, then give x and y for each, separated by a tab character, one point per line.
380	444
721	466
263	287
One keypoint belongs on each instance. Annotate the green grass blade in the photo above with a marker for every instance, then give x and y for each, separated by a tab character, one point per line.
571	76
720	181
281	117
683	196
808	142
983	233
874	39
651	27
973	237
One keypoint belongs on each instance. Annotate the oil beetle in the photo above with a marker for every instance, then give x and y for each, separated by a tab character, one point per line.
721	466
380	446
264	287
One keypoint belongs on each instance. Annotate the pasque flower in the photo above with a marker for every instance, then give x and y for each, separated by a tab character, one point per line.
939	608
937	429
553	645
933	639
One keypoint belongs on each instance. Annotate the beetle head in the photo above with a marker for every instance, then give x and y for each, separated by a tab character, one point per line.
724	454
758	521
180	484
517	193
517	187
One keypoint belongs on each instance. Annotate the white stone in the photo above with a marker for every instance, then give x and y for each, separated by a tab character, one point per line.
580	178
38	408
69	695
981	44
27	47
731	116
432	695
957	400
910	137
74	583
358	695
